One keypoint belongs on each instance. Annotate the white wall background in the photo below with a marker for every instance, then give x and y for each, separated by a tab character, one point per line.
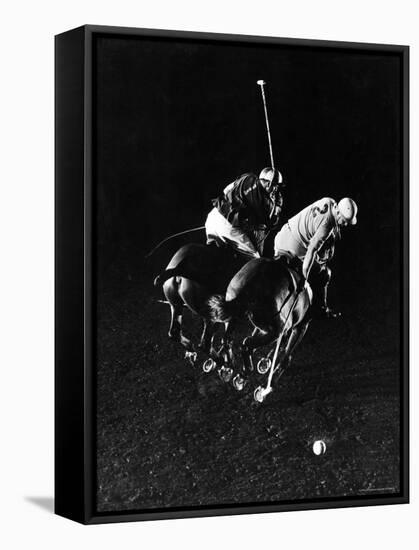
26	305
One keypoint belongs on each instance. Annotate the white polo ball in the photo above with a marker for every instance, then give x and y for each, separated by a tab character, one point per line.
319	447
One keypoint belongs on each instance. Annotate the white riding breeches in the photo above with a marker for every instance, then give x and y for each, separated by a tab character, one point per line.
285	242
218	228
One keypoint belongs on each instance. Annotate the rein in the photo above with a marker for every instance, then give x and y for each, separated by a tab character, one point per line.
290	293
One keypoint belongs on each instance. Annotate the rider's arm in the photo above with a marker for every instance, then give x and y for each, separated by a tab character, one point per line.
309	260
229	188
275	209
315	243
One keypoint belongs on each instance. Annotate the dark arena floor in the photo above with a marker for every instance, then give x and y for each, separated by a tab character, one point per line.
169	435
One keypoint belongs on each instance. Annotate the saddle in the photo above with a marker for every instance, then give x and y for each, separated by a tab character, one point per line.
290	262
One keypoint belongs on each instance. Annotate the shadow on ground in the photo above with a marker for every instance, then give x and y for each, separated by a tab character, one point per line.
46	503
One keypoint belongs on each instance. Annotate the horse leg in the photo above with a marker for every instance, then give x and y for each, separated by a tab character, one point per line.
195	297
295	337
170	290
223	353
258	338
207	336
227	341
224	357
175	331
213	353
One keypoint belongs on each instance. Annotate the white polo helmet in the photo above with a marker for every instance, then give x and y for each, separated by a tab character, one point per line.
348	209
272	175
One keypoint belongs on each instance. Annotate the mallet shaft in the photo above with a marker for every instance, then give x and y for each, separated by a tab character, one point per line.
262	83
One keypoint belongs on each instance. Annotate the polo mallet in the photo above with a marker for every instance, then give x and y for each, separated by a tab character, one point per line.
260	393
262	83
172	237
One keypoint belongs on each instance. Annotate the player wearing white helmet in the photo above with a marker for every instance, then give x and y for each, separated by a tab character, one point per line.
248	208
310	236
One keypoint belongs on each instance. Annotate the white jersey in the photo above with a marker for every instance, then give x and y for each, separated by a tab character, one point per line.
314	225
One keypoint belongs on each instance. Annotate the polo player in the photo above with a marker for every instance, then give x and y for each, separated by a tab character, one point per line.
247	209
309	239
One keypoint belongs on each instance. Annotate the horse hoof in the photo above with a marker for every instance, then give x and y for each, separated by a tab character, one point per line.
191	356
208	365
263	365
239	382
225	373
260	393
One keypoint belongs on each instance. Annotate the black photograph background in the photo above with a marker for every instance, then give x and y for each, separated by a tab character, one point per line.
175	121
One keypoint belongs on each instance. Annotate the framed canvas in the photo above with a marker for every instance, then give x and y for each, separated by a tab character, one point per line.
231	274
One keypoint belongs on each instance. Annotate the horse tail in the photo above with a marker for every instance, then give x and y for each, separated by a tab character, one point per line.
165	275
181	269
221	311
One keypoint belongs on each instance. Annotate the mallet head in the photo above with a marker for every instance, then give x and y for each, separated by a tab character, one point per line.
261	82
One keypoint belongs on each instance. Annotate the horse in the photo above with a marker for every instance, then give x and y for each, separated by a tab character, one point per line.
214	284
194	274
271	294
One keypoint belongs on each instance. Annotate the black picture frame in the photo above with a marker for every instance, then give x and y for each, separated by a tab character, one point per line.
75	442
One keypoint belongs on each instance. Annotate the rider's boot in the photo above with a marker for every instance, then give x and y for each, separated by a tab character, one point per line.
320	308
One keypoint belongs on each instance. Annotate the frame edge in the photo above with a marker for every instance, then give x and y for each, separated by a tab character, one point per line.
69	275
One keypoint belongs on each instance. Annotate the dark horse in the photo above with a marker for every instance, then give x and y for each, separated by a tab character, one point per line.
267	292
208	281
194	274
